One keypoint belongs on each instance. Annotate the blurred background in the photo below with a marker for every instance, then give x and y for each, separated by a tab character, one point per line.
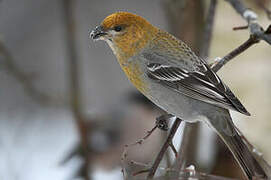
67	109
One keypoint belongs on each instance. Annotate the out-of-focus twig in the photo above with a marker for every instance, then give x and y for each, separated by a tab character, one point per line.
173	9
75	92
251	18
267	11
208	30
25	79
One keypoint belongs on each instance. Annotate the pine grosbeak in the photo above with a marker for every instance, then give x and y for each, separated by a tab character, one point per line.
172	76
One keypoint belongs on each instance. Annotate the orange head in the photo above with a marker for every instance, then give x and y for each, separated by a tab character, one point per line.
126	33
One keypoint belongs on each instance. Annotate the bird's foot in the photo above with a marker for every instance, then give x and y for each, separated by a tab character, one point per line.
162	121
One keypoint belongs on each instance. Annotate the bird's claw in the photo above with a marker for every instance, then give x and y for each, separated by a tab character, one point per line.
162	121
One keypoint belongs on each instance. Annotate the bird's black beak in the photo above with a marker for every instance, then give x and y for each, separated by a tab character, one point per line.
97	33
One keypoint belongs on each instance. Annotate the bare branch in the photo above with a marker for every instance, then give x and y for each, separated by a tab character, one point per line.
162	124
164	148
221	62
171	145
256	34
138	142
251	18
240	28
238	6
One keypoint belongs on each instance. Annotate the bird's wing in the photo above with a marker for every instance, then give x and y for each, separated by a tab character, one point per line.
168	50
173	64
202	85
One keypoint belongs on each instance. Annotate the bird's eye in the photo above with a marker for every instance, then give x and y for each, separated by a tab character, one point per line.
117	28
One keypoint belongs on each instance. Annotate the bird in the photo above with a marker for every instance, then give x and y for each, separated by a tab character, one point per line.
172	76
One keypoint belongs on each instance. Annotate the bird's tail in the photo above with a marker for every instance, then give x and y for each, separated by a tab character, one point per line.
241	152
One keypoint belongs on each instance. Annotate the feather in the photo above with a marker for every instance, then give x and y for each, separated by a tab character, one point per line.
205	86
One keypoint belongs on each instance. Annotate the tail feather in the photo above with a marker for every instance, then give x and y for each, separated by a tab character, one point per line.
224	127
244	156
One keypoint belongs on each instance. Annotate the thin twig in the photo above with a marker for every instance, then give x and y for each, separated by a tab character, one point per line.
164	148
256	31
238	6
141	172
221	62
138	142
256	34
251	17
240	28
161	123
171	145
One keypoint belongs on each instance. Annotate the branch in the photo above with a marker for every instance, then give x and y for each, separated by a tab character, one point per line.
220	62
22	77
251	18
126	148
164	148
256	34
175	18
239	7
